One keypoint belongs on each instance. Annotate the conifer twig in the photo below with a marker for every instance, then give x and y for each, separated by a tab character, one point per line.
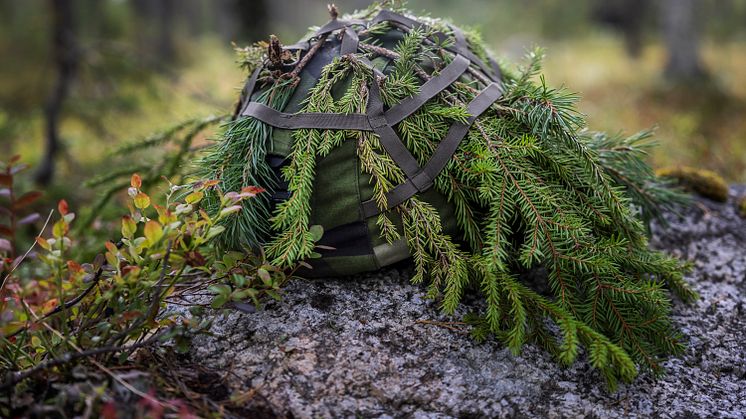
306	58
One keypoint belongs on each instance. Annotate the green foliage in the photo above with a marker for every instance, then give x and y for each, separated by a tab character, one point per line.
531	188
178	140
62	316
624	161
238	160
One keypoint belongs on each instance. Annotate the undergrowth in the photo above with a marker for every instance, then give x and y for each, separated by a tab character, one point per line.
67	323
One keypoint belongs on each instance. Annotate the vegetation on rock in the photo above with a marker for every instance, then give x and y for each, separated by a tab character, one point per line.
530	186
700	181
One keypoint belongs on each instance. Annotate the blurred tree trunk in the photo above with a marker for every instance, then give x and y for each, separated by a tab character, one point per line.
156	30
196	16
625	16
681	35
253	19
66	54
243	21
166	43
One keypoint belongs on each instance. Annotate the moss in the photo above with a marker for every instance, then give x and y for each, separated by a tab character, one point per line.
700	181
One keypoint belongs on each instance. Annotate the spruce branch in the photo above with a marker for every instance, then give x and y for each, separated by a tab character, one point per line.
528	187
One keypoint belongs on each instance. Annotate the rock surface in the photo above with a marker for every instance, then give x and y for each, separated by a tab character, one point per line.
367	347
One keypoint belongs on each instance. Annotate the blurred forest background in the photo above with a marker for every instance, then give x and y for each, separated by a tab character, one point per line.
79	78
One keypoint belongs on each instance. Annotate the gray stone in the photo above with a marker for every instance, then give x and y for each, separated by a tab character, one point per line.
368	347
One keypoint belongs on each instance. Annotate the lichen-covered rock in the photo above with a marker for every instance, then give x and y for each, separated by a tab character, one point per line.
374	346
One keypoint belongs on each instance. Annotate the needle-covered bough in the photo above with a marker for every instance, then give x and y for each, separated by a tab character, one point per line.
400	137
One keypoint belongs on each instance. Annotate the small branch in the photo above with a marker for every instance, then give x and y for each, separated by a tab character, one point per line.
306	58
385	52
333	11
65	358
156	298
71	303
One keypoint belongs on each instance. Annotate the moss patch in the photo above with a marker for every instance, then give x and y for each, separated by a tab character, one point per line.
700	181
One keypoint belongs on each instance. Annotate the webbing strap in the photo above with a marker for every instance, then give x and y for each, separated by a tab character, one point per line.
463	44
440	157
389	16
458	131
432	87
306	119
461	41
354	121
460	47
336	24
418	179
302	45
349	42
248	89
388	137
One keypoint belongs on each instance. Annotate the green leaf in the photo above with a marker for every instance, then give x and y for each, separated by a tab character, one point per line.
128	227
219	301
222	290
183	344
142	200
153	232
230	210
243	294
60	229
274	294
215	231
316	231
194	197
264	275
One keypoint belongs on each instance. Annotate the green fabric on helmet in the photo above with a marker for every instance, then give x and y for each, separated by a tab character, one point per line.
340	187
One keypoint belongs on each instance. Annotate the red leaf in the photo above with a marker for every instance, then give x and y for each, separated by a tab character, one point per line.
43	243
6	180
111	247
74	266
5	231
109	411
252	190
15	158
27	199
62	207
136	181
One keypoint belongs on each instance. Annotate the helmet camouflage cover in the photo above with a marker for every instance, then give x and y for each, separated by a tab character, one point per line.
344	200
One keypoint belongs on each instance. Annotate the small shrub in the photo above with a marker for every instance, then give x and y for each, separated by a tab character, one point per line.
70	315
